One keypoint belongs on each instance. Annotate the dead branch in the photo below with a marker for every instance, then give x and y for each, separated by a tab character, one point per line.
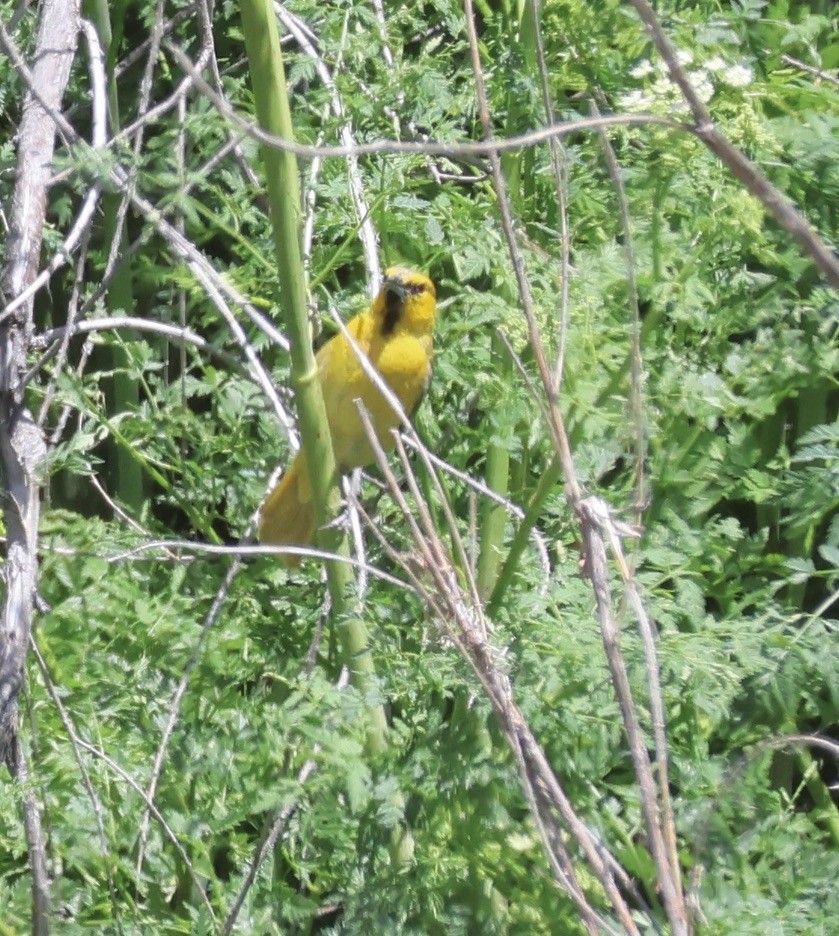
22	447
462	620
668	877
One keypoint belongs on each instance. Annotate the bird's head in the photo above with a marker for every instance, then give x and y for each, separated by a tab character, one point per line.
408	300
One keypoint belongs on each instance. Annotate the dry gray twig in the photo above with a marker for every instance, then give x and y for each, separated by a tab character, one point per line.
175	705
452	150
815	72
177	334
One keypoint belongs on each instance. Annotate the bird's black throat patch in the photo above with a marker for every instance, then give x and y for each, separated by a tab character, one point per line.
393	311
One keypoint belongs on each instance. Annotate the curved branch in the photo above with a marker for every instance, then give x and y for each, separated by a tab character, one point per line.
175	333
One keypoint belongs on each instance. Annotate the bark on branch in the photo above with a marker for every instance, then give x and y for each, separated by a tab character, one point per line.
22	446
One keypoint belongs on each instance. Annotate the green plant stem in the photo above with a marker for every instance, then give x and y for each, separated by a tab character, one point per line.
810	409
265	61
497	476
546	484
551	477
517	165
124	395
493	517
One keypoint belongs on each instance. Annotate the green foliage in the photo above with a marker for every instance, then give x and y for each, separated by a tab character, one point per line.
738	562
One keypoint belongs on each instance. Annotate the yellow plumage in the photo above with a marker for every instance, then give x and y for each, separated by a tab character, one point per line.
395	333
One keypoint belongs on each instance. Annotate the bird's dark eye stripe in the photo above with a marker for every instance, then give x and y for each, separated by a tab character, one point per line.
411	289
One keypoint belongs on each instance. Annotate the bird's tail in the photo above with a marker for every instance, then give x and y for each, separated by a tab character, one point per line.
287	517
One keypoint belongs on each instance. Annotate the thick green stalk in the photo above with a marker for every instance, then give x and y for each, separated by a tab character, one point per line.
546	484
810	409
265	61
520	36
494	516
521	22
125	395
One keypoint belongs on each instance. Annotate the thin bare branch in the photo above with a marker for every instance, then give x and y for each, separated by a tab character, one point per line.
636	381
87	782
175	705
275	830
559	167
169	26
175	333
167	105
636	416
188	550
815	72
452	150
461	619
669	879
199	884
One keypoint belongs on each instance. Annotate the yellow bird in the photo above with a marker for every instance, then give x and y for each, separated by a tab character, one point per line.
396	335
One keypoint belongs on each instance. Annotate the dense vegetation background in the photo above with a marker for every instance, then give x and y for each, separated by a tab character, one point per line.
730	440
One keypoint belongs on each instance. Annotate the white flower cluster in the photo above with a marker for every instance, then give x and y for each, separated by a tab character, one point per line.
735	76
662	92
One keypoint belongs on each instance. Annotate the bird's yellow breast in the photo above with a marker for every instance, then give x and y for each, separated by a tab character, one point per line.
404	362
400	350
